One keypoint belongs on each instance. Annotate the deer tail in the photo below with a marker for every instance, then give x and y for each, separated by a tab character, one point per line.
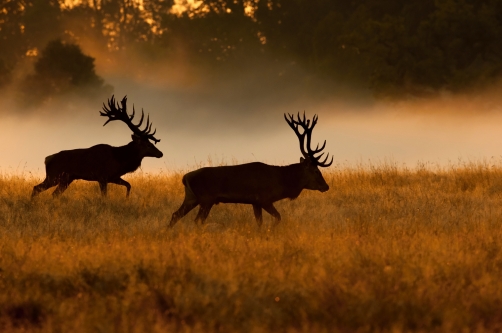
188	189
48	159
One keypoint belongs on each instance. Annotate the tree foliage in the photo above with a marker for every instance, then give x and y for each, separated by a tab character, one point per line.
5	74
395	47
62	68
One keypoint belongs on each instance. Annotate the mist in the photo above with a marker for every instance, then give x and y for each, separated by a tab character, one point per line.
236	119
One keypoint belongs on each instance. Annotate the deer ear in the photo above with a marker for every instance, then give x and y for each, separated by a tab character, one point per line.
305	161
134	137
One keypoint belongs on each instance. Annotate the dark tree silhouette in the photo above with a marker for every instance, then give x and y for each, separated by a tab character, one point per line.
62	68
41	22
221	34
12	46
396	48
5	74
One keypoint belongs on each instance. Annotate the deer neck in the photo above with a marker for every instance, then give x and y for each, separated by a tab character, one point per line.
293	180
130	156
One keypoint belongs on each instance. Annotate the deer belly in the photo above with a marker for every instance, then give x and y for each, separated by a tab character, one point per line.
86	169
235	195
238	199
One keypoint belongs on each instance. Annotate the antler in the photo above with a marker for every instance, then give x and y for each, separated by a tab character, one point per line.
307	131
114	112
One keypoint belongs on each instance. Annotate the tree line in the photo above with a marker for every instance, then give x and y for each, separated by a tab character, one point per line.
395	48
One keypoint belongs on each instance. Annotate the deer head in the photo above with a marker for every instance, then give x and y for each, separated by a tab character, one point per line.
141	138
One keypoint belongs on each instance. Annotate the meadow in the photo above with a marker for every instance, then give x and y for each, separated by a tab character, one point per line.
386	249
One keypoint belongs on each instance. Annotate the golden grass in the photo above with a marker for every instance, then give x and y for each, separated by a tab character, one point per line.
386	249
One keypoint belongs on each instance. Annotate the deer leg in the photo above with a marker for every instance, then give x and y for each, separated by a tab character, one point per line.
257	214
63	185
269	208
103	188
122	182
203	212
47	183
186	207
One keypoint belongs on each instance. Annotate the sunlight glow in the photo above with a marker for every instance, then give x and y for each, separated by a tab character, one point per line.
182	6
197	7
92	3
32	52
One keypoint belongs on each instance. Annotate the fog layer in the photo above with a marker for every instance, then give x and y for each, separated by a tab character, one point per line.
240	119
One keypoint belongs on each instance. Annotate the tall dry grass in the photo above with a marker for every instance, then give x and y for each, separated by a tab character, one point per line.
386	249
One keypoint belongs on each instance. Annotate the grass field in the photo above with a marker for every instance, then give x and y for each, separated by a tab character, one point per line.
386	249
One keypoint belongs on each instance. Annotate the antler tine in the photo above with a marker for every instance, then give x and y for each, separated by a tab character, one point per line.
151	136
104	114
299	121
111	100
291	119
133	113
148	132
123	102
292	123
323	163
301	137
309	135
145	131
148	129
314	120
105	109
140	119
317	149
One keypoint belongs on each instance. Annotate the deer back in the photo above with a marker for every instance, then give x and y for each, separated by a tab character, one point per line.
100	162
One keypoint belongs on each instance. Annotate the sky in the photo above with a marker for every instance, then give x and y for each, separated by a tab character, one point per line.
240	119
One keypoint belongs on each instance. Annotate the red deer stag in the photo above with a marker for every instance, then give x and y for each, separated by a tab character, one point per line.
256	183
102	163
